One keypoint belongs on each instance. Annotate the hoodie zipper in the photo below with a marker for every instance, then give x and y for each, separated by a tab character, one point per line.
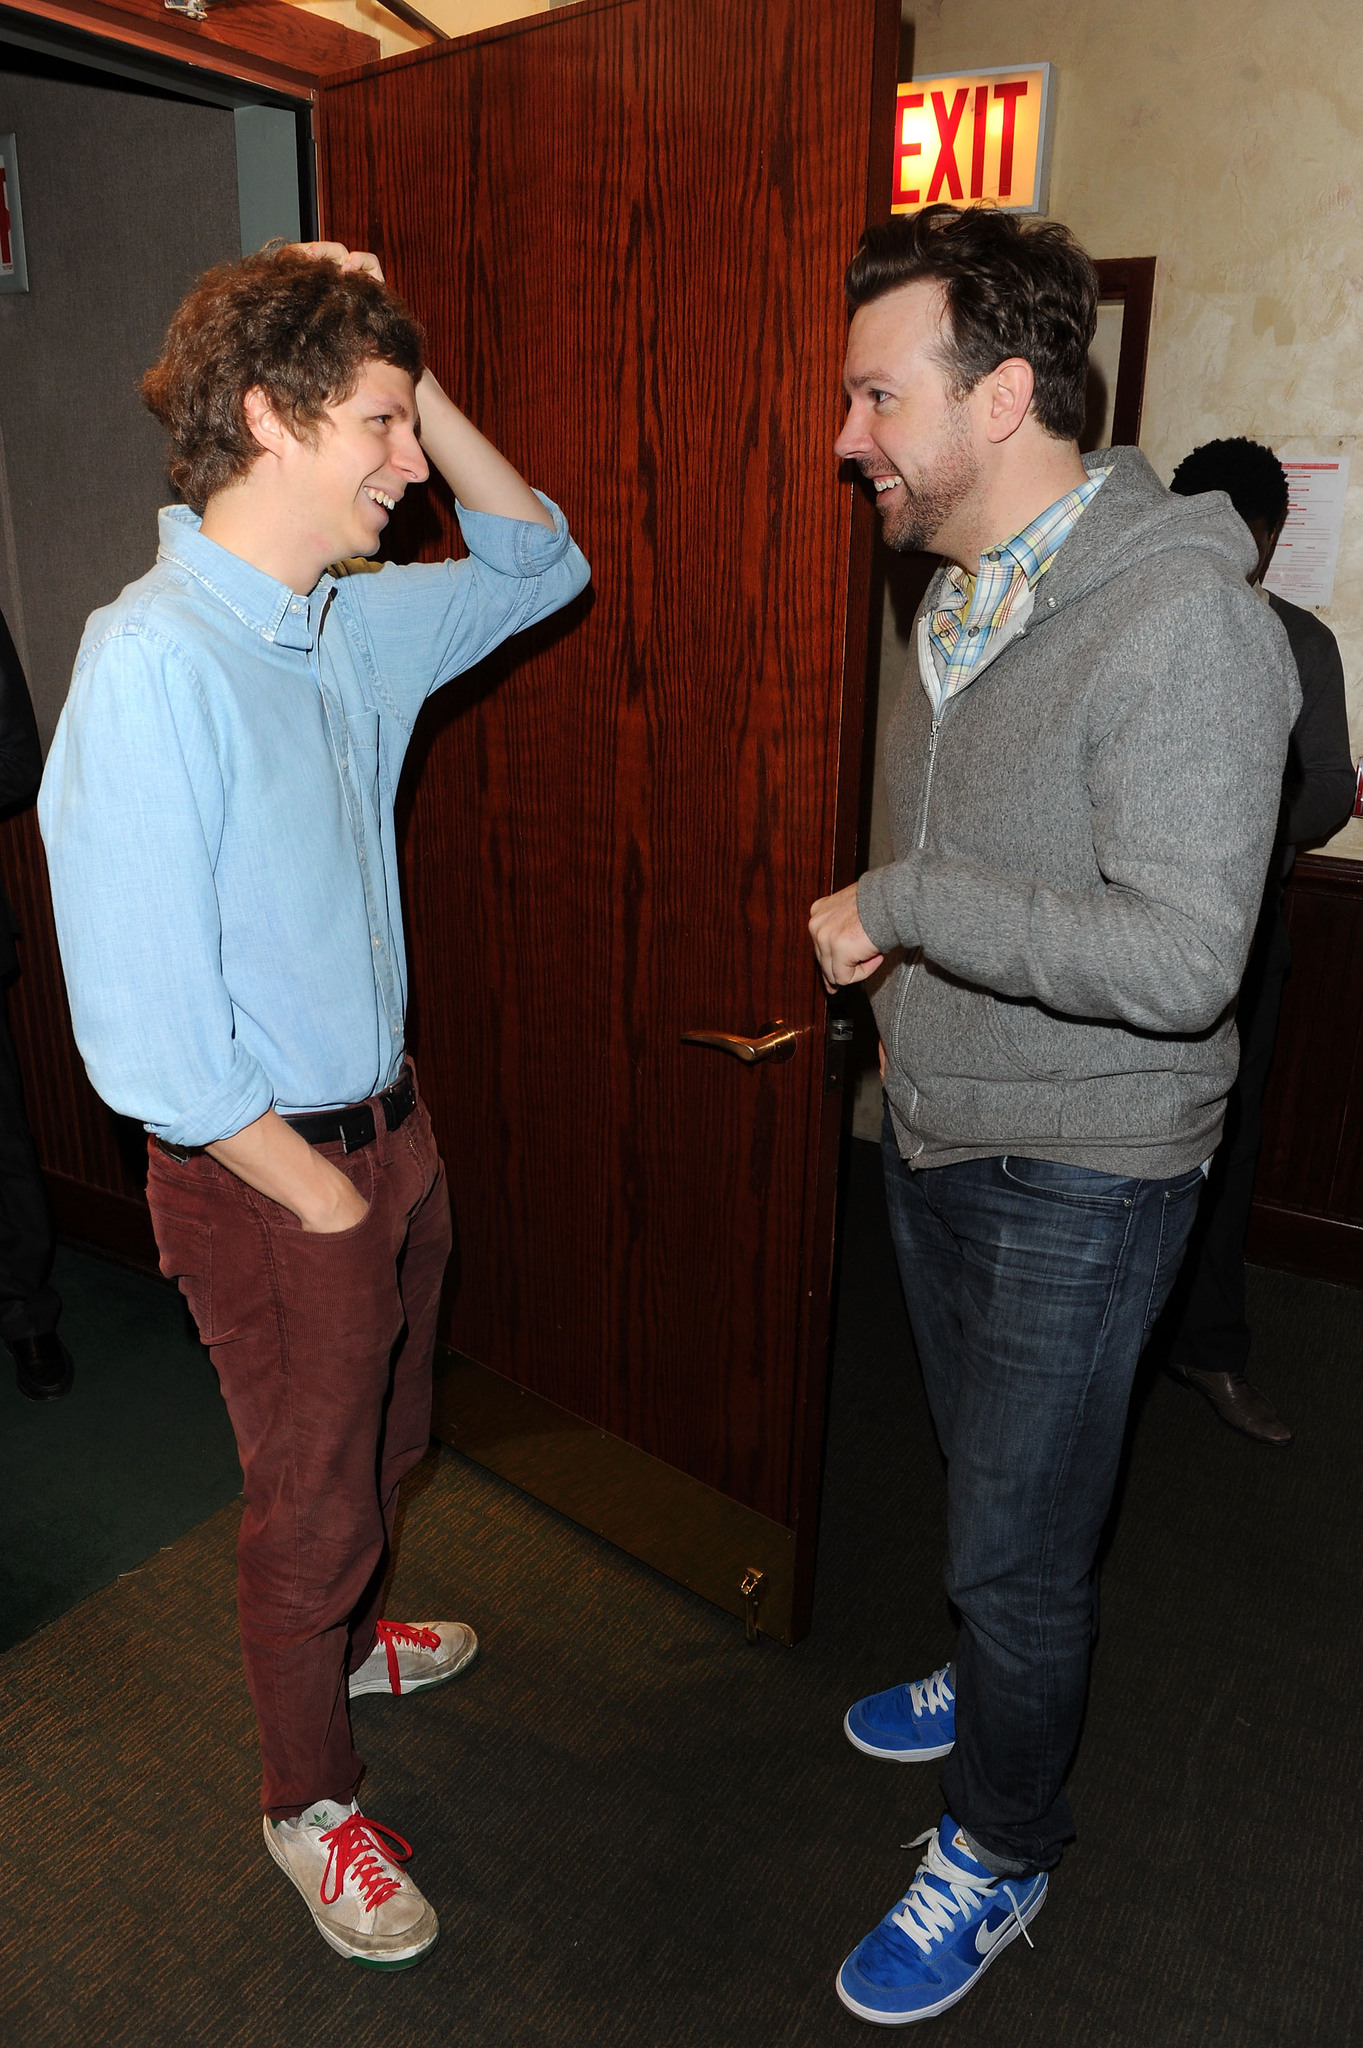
933	731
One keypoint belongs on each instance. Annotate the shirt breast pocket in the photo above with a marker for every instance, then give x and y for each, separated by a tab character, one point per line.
362	736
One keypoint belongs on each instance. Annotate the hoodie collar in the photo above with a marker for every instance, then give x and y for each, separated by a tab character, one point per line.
263	605
1135	517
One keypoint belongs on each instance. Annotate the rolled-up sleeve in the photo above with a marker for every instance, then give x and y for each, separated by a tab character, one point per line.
130	808
433	621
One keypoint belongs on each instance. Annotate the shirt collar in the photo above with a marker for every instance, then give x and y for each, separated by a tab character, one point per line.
263	605
1035	546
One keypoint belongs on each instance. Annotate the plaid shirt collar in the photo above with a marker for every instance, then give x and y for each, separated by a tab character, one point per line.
979	614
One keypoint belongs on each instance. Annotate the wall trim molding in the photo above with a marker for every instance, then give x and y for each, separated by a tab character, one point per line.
260	42
1329	874
1318	1247
1130	282
98	1220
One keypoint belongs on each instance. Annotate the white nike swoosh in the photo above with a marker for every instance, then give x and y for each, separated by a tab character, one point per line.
987	1938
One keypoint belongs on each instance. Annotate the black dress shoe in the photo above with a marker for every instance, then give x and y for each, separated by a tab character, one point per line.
42	1366
1239	1405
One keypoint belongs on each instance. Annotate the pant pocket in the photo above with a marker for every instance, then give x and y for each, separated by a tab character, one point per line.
1178	1210
186	1257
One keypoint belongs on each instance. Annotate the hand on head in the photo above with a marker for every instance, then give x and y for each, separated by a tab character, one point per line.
343	258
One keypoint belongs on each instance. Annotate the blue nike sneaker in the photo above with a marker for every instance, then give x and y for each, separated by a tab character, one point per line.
911	1723
941	1937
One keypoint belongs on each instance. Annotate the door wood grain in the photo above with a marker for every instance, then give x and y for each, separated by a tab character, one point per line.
625	228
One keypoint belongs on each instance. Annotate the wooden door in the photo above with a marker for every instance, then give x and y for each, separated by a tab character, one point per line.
625	226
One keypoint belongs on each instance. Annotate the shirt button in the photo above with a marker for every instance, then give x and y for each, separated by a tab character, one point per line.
972	629
379	944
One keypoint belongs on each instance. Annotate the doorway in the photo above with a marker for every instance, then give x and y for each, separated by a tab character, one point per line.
134	176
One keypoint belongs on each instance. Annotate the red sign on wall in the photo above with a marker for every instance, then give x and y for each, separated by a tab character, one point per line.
13	271
977	135
6	238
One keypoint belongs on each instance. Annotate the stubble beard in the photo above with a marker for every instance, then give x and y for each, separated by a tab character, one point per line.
912	524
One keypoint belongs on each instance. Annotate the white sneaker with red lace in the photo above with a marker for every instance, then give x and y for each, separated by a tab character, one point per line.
410	1655
346	1868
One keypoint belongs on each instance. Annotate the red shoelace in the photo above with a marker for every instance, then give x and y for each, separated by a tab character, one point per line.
391	1633
354	1845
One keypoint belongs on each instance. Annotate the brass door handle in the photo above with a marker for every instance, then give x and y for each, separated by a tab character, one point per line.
775	1043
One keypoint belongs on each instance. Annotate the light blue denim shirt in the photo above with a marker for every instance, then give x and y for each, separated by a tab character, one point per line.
218	816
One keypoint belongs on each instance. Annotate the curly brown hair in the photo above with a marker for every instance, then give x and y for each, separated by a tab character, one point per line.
1013	287
295	326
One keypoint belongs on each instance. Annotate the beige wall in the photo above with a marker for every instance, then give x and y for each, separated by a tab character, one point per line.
456	17
1226	140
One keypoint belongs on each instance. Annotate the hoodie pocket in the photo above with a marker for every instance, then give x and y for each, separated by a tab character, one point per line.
1044	1046
1100	1079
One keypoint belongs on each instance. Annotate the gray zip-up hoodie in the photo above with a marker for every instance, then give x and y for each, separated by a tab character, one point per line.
1080	846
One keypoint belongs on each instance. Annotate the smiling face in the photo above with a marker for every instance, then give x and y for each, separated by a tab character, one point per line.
343	484
905	430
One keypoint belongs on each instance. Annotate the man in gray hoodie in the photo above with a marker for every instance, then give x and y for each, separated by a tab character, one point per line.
1083	772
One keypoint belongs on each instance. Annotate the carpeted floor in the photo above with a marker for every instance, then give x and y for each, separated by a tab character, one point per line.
137	1455
640	1831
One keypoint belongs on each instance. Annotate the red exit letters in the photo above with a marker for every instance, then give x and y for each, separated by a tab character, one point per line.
950	128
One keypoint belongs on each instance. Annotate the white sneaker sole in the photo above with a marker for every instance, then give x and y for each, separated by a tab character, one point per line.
894	1756
930	2012
400	1957
356	1687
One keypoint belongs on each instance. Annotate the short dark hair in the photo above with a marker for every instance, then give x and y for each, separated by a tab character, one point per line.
1250	475
1013	287
299	328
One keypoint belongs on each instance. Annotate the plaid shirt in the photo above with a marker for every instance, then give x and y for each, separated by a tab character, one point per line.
970	625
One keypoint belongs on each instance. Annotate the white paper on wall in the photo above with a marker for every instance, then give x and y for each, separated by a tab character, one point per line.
1303	566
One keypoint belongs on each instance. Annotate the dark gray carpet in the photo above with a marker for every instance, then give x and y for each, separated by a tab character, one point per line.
638	1830
139	1453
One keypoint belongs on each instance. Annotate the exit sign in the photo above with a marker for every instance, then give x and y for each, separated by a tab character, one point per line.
976	135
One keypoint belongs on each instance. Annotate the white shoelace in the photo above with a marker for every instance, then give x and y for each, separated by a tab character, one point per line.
931	1695
926	1915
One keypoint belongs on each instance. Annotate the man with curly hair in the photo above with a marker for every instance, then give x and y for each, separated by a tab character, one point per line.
218	817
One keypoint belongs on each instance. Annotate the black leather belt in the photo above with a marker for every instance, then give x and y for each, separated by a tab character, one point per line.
352	1128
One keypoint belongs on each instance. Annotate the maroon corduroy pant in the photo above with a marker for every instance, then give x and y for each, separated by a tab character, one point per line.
323	1347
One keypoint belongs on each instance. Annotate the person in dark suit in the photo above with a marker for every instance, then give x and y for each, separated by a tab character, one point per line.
1205	1330
29	1305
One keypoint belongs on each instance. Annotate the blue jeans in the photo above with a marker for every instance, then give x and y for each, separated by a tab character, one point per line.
1030	1289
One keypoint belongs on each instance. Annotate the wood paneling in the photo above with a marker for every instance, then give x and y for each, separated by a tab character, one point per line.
79	1140
625	228
1308	1196
263	41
